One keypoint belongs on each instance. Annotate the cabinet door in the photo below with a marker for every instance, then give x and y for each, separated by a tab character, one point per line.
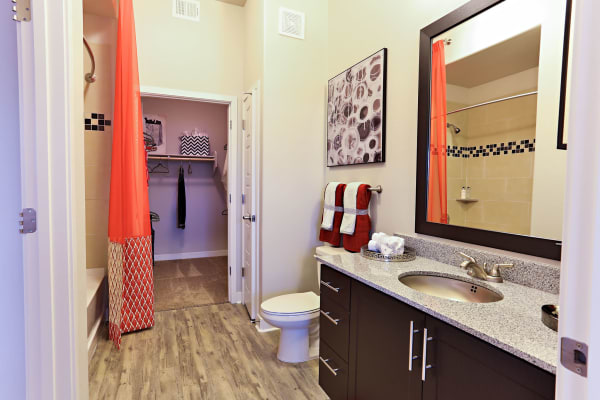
380	345
465	367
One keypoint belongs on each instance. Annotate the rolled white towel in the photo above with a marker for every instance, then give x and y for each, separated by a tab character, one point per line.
374	246
395	243
386	250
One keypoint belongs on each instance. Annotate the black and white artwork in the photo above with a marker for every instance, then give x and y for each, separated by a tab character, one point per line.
155	133
356	113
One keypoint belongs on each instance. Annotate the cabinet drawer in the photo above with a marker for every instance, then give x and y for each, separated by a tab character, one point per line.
334	327
333	373
335	286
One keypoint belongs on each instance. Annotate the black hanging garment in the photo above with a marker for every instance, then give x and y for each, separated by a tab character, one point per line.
181	200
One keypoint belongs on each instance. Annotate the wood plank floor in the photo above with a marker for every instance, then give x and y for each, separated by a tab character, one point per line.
188	283
210	352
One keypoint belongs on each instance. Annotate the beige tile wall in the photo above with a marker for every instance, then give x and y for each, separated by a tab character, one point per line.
98	98
502	184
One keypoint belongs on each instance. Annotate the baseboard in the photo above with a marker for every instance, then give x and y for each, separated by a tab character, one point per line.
263	326
185	256
237	298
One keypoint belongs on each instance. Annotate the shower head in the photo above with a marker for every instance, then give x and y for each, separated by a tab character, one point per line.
455	128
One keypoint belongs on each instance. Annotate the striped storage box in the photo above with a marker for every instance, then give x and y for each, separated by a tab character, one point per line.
195	145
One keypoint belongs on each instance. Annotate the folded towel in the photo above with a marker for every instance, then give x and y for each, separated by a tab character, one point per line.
356	216
386	244
374	246
350	208
329	208
333	236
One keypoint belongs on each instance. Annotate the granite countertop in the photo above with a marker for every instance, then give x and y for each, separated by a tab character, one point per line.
512	324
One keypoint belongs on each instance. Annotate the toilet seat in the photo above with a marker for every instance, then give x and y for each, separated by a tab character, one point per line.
294	304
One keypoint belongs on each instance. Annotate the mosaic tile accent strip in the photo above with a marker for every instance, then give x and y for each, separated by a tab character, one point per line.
96	122
494	149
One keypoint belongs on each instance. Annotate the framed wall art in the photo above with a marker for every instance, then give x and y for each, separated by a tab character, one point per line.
356	113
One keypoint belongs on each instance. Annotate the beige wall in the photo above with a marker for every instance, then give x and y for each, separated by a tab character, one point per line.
292	148
205	56
355	31
98	98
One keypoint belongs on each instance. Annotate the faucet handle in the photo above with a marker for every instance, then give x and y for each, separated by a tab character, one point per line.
495	272
467	257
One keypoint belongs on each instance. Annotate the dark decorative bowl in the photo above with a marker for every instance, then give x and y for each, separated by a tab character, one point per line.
550	316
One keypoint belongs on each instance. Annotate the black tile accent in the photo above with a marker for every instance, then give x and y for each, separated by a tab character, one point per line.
88	121
492	149
100	116
100	122
94	116
88	127
107	122
94	127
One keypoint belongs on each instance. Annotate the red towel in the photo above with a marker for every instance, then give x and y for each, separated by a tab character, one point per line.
362	228
334	237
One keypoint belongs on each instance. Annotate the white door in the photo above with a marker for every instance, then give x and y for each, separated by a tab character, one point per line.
248	217
12	342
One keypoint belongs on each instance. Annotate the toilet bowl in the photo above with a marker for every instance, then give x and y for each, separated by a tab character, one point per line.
297	315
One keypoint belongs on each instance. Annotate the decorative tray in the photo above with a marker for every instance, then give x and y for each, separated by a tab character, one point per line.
409	255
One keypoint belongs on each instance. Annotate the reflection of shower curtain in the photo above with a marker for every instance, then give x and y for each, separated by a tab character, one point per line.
437	201
131	285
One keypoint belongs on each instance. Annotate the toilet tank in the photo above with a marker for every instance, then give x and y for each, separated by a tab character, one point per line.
326	251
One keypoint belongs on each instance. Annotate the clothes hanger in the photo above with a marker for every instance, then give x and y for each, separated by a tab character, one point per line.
157	169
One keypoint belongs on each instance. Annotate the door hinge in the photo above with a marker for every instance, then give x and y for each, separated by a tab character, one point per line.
243	272
28	220
243	198
230	126
21	10
574	355
229	270
243	124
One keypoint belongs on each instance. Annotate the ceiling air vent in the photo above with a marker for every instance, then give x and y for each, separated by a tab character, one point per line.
291	23
186	9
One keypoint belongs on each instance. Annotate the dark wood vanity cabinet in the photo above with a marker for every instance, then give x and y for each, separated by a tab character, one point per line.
367	356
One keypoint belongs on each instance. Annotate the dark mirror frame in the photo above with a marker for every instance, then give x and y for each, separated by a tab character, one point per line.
518	243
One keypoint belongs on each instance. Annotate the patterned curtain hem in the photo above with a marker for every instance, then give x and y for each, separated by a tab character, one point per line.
130	287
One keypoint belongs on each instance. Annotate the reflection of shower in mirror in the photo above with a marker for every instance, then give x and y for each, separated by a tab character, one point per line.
455	128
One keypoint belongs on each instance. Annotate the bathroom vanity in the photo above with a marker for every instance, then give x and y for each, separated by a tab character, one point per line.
373	330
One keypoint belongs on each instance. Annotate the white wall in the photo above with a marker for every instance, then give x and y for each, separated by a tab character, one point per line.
395	25
12	343
205	56
292	148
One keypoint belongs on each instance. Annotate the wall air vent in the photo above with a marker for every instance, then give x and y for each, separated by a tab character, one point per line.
186	9
291	23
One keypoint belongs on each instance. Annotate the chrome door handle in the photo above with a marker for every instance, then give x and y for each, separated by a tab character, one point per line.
328	286
326	363
334	321
424	365
249	218
410	345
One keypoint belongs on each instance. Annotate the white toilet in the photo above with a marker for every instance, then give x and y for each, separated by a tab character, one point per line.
297	315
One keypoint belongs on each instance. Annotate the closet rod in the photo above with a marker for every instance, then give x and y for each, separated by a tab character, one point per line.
493	101
181	158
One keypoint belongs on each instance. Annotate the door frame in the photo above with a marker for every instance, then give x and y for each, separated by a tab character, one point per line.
233	168
254	93
53	182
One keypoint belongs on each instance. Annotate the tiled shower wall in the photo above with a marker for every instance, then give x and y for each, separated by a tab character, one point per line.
97	129
494	155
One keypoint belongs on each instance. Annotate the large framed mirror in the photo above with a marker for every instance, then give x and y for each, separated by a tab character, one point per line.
492	89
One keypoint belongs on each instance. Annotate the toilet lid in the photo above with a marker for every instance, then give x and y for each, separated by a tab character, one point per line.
294	303
330	251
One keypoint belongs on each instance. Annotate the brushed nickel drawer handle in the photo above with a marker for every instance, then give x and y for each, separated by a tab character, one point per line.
424	365
410	345
328	286
326	363
326	315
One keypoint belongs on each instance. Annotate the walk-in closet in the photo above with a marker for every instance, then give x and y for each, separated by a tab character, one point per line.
186	142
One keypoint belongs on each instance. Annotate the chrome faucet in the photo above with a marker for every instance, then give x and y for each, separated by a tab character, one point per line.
483	272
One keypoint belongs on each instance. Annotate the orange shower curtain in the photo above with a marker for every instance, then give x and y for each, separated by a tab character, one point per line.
437	199
131	285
